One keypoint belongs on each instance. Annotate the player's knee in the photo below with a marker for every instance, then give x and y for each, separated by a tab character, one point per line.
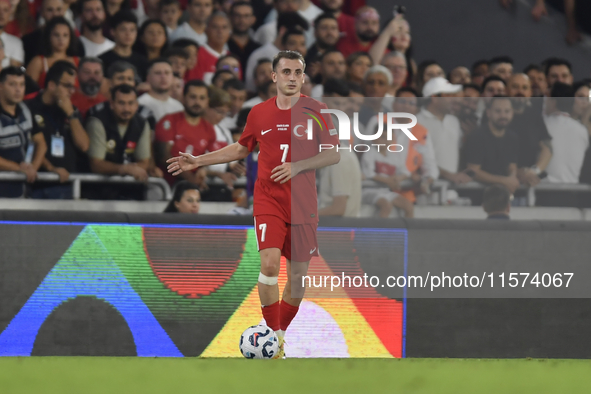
270	267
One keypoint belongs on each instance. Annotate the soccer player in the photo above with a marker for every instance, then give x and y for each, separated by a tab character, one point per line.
285	201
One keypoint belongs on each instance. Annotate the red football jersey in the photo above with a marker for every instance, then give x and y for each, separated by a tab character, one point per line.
184	137
282	137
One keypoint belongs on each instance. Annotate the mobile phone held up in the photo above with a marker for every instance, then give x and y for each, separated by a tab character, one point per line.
399	9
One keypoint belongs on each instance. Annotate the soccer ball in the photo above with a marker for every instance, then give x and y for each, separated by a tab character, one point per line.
259	342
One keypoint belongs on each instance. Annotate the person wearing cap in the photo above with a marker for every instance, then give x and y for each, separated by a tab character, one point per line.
443	127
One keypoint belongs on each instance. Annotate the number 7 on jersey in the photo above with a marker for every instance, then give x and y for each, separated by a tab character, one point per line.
284	148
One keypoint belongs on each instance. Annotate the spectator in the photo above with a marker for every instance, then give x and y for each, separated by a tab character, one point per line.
262	75
428	70
32	41
124	31
170	13
185	199
22	18
326	32
231	63
187	131
537	79
295	40
582	113
492	150
241	43
443	128
285	22
59	43
178	84
23	148
558	70
535	145
191	48
93	21
60	121
480	72
218	33
496	202
267	90
199	12
332	65
367	28
152	39
357	65
460	76
492	86
396	63
570	139
237	92
178	59
467	112
376	84
158	99
30	85
420	156
339	192
501	66
220	77
91	78
119	139
268	31
346	22
13	46
388	170
122	73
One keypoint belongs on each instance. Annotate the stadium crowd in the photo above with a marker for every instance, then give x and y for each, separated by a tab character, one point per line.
118	87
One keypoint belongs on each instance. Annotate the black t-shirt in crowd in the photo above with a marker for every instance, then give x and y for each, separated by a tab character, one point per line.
493	154
57	132
139	61
530	129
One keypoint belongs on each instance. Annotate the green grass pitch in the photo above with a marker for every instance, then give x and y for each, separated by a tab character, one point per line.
88	375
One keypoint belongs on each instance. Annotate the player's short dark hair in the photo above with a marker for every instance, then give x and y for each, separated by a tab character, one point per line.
336	86
565	95
291	55
197	83
159	60
292	20
291	32
123	89
122	16
495	198
175	52
556	61
184	42
11	70
164	3
239	4
234	83
491	78
324	16
472	86
532	67
57	70
407	89
500	59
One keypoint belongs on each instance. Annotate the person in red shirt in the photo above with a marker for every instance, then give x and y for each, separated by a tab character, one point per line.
285	201
346	22
186	132
367	28
218	32
90	76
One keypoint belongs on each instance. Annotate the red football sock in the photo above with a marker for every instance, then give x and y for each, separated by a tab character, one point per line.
288	312
271	315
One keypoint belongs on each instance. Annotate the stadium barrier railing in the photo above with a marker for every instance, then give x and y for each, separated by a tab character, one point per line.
76	181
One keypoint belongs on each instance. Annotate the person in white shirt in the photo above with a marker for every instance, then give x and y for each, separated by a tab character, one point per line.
285	22
199	12
443	128
570	139
93	18
158	99
13	46
385	165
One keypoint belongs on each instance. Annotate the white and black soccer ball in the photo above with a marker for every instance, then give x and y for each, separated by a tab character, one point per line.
259	342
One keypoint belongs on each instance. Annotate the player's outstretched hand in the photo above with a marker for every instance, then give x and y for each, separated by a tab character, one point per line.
182	163
283	173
